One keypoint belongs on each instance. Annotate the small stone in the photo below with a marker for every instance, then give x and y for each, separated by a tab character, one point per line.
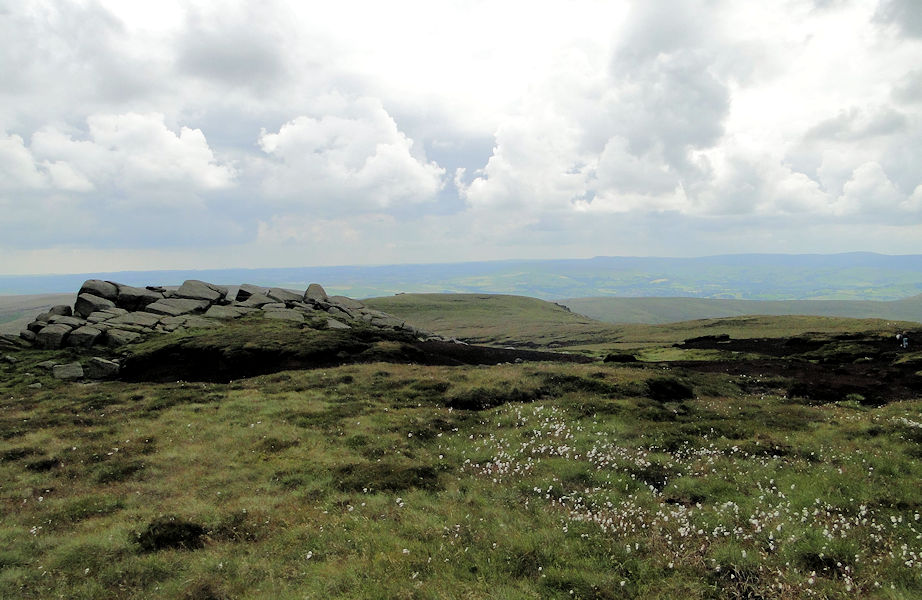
35	386
47	364
69	371
10	359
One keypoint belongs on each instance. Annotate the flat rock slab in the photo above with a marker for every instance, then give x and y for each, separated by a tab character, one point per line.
226	312
334	324
285	314
71	321
283	295
120	337
135	298
83	337
68	372
274	306
176	306
52	336
256	300
346	302
89	303
100	368
200	290
246	290
137	319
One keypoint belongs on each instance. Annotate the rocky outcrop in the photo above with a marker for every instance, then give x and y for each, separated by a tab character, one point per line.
113	314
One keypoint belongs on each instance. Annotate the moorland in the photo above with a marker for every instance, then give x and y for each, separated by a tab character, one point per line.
542	454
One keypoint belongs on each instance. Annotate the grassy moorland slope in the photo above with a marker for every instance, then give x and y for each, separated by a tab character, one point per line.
668	310
531	480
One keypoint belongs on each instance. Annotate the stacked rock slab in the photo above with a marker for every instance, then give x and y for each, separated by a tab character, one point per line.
113	314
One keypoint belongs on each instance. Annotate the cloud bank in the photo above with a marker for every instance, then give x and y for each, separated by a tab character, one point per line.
183	135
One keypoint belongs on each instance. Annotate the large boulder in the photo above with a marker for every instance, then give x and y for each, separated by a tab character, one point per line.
246	290
101	316
173	307
315	293
83	337
89	303
60	309
99	288
52	336
28	336
200	290
72	370
136	298
100	368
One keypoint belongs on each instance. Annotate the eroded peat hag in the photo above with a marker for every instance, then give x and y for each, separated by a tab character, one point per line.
870	368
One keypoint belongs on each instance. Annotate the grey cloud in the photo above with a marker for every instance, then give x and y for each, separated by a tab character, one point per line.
856	125
906	15
908	89
246	48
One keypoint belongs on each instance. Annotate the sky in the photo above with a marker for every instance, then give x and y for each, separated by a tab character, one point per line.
185	135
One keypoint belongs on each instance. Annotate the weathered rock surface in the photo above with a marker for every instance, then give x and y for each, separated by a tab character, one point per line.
334	324
83	337
315	292
256	301
89	303
120	337
106	314
61	309
246	290
100	368
346	302
138	319
28	335
200	290
285	314
71	321
100	289
135	298
68	371
176	306
52	336
283	295
226	312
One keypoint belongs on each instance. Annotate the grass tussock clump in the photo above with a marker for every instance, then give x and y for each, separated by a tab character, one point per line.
171	532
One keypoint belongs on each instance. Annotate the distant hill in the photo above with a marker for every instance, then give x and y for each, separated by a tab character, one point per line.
670	310
852	276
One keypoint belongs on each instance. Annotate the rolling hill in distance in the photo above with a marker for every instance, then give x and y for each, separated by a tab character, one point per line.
852	276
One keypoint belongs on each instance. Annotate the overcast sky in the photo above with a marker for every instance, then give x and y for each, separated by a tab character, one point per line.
147	135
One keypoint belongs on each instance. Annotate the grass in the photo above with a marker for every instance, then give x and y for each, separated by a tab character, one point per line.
522	480
591	481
